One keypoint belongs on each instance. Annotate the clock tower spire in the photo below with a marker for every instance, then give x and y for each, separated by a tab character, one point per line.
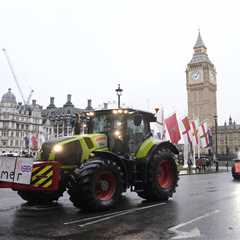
201	85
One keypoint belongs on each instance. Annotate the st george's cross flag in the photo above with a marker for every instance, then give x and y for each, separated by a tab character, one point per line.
203	134
194	131
186	130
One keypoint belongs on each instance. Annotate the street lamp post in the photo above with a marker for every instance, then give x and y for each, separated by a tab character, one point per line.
119	94
226	142
216	143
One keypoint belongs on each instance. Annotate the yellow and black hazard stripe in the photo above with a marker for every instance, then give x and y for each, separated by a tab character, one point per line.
42	176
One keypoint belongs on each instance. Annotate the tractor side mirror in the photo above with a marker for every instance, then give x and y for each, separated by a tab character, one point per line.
137	119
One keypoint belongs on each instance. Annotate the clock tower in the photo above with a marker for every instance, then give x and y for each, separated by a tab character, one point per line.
201	85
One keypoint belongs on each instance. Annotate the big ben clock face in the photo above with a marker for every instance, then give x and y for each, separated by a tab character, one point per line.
195	76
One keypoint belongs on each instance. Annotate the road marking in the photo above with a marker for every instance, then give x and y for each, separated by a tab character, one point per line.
194	232
117	214
91	218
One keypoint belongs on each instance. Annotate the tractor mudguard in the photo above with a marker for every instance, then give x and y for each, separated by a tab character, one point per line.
45	176
169	146
162	145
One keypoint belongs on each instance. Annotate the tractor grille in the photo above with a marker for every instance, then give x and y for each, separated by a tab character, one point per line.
47	147
71	154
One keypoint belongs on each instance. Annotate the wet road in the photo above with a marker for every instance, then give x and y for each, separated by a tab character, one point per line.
204	207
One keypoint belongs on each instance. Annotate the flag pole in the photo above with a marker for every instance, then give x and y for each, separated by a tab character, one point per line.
198	146
194	159
185	155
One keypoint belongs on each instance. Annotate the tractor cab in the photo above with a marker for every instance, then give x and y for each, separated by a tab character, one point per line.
126	129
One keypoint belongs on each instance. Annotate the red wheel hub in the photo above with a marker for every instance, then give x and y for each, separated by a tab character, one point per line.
105	185
164	175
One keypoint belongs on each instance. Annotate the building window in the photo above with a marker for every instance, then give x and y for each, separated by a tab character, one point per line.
5	115
17	125
222	140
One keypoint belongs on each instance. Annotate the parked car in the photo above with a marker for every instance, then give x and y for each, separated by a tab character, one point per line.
236	169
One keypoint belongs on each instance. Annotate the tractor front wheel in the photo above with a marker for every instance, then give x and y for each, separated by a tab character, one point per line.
98	186
39	197
162	177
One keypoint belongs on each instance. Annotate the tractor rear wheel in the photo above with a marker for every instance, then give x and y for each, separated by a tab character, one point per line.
97	186
162	177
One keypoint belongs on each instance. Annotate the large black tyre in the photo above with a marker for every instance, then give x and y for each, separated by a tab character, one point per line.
236	176
162	177
40	197
97	185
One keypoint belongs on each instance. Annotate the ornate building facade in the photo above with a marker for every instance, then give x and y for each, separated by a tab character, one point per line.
228	140
62	118
201	85
21	126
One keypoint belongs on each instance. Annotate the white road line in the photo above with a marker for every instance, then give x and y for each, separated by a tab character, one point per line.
193	220
120	214
91	218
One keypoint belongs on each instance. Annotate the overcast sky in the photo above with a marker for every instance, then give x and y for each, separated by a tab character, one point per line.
85	48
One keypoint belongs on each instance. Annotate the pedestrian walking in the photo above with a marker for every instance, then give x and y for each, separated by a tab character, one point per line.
189	162
204	164
216	163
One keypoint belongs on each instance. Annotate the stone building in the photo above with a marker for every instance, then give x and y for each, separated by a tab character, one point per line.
201	85
228	140
62	118
21	126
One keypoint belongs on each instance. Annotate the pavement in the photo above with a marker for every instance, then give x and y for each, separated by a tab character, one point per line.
207	170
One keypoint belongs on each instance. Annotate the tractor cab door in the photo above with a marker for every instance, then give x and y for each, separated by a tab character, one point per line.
137	130
128	134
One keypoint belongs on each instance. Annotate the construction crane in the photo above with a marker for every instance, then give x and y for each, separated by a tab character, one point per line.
29	97
16	81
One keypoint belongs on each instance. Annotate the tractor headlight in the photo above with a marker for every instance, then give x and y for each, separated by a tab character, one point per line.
57	148
117	133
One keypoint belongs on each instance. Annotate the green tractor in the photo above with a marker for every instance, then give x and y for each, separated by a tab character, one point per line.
117	153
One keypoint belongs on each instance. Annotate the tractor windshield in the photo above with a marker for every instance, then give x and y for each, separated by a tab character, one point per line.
101	124
125	132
